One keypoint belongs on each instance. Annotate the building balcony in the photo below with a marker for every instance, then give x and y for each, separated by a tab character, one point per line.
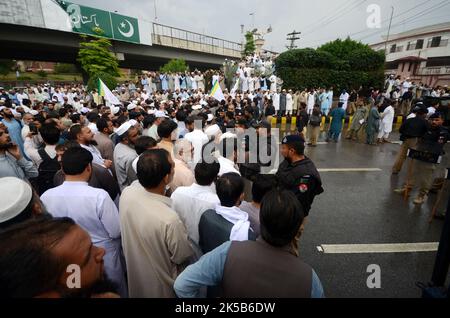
443	70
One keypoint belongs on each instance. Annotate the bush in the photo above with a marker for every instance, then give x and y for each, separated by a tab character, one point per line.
341	64
42	73
299	79
24	78
62	68
109	81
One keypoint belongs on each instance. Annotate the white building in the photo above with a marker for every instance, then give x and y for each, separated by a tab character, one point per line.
422	54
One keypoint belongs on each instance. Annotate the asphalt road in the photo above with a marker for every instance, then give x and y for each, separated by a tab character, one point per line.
361	208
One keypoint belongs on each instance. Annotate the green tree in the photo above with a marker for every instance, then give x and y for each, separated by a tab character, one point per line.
95	56
250	46
6	66
341	64
175	66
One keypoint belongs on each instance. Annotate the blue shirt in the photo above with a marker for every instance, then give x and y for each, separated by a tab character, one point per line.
208	271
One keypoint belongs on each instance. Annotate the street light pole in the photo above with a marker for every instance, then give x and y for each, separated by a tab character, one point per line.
156	13
389	31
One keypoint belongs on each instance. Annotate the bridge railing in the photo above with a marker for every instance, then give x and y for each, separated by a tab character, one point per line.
179	38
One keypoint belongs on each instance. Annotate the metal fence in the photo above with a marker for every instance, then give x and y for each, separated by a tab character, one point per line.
179	38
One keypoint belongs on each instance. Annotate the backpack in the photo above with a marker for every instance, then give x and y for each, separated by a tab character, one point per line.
47	170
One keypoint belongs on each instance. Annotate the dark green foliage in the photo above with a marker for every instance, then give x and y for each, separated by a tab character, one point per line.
340	64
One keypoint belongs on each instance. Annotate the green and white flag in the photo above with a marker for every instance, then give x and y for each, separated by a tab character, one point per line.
216	92
106	93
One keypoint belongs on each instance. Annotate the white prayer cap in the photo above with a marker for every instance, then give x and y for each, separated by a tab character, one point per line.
15	113
152	105
151	111
115	110
81	101
204	103
131	106
133	122
34	112
16	195
212	131
197	107
84	110
210	117
123	129
26	109
227	135
160	114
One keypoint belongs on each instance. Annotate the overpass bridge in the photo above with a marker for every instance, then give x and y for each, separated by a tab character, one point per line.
49	30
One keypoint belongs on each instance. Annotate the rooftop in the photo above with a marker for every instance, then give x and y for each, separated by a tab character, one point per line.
435	28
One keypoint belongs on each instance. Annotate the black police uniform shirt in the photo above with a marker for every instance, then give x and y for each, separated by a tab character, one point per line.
303	179
434	140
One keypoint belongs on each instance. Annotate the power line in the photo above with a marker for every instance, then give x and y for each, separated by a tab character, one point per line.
328	16
339	15
418	15
323	21
395	17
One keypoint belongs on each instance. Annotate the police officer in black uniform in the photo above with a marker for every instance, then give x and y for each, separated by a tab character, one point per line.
298	173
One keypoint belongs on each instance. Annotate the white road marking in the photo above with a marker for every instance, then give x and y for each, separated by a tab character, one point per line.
349	170
378	248
319	248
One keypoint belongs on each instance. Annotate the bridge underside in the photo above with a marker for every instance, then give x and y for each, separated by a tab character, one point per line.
30	43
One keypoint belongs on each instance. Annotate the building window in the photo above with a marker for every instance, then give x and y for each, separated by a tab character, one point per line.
419	44
411	46
434	42
410	65
399	49
393	48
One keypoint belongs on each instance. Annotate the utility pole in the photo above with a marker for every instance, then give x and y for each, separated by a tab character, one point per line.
389	31
294	36
156	13
253	19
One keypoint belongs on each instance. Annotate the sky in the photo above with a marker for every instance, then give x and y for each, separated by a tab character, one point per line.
319	21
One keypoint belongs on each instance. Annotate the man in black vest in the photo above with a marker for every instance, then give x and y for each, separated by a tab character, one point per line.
267	268
227	221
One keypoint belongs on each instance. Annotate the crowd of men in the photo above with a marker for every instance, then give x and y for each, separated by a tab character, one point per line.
170	194
173	193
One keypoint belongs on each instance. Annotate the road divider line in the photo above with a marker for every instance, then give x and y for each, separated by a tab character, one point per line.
378	248
349	170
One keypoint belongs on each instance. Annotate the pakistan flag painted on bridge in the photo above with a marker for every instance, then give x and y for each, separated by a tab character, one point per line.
125	28
98	22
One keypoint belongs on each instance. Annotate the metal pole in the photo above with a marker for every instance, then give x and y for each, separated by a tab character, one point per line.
156	14
389	30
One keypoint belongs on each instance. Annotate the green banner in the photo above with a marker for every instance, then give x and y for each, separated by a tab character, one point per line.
98	22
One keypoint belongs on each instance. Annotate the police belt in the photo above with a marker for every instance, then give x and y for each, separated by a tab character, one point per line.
424	156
